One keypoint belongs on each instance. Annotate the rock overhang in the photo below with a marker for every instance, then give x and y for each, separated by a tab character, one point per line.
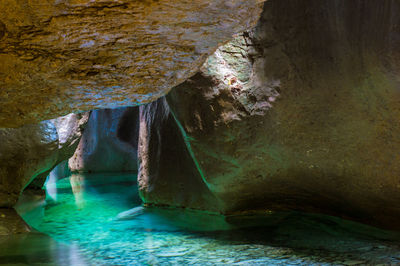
58	57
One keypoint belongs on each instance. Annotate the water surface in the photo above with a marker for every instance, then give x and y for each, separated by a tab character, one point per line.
81	213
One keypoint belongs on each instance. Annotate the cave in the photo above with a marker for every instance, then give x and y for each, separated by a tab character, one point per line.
209	132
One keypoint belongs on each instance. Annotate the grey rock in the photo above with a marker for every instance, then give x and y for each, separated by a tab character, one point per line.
167	173
109	143
131	214
34	150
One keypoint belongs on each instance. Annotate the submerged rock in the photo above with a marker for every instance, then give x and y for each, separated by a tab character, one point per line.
131	214
58	57
302	113
32	151
109	143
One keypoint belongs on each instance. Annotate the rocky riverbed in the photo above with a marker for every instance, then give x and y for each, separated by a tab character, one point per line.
87	221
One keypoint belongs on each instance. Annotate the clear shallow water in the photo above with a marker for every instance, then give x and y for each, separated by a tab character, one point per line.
83	216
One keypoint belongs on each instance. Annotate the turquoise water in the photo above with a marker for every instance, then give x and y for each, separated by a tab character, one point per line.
87	216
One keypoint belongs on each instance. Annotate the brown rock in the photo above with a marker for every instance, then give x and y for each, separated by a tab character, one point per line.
11	224
2	29
302	113
62	56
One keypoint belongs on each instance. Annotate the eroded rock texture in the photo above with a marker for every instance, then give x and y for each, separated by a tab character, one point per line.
109	143
11	223
302	113
32	151
58	57
167	174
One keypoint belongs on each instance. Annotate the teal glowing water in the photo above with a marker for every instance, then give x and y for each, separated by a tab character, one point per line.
84	215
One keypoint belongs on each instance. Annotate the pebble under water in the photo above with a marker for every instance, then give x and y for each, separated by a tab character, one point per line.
84	216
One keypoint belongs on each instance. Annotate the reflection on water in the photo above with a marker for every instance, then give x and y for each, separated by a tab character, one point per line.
38	249
77	186
91	218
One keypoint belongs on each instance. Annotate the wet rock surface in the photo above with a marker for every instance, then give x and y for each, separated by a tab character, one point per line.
301	113
58	57
37	250
109	143
34	150
11	224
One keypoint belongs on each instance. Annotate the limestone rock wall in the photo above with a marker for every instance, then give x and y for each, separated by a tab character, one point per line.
58	57
302	113
109	143
34	150
167	174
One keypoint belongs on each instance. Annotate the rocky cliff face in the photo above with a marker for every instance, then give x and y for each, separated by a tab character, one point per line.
58	57
301	113
167	174
34	150
109	143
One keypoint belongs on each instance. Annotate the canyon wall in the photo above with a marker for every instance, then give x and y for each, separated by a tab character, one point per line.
32	151
167	174
109	143
301	113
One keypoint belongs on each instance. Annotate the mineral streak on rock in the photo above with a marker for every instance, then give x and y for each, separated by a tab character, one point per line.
2	29
75	55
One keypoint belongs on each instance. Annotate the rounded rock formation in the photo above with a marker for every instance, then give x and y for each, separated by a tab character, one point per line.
302	113
34	150
68	56
109	143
